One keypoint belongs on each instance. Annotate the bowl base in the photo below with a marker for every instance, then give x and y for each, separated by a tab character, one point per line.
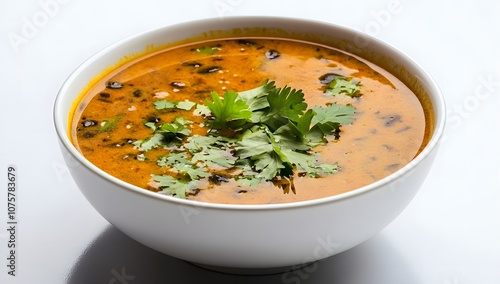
251	271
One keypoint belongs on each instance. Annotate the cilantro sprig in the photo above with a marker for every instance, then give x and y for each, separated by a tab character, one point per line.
343	85
263	134
229	112
165	135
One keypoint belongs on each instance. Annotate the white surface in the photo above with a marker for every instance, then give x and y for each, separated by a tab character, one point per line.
448	235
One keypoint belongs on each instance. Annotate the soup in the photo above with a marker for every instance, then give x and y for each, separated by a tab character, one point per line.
249	121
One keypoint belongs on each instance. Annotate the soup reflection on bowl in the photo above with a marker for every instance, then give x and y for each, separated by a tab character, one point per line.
249	143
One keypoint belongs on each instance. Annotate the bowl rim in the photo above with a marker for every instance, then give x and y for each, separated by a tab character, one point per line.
437	98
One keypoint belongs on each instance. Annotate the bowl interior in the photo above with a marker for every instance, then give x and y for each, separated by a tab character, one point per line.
352	41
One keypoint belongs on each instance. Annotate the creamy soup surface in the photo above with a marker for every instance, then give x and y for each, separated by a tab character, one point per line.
386	131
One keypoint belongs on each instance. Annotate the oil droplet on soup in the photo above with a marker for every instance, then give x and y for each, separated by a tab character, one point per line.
124	107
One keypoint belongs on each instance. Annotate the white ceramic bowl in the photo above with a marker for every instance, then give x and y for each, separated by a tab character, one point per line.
259	237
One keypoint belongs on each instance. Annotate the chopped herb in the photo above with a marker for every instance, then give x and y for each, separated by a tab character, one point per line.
259	135
201	110
111	123
185	105
208	50
164	104
284	104
165	135
342	85
172	186
230	112
151	125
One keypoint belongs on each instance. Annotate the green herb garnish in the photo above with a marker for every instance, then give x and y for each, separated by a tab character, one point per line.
165	134
343	85
111	123
208	50
263	134
164	104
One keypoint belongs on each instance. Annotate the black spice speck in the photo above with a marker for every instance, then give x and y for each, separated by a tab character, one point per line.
89	123
178	84
114	85
246	42
209	70
328	78
217	179
192	64
137	93
89	134
153	119
272	54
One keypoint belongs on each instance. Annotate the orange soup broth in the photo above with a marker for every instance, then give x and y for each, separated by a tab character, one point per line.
387	132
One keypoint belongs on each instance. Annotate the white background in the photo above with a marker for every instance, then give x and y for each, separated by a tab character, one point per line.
450	233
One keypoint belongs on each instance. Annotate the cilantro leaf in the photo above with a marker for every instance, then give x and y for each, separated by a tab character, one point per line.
256	98
307	163
185	105
211	150
150	125
253	142
191	170
201	110
197	143
268	165
338	113
174	158
327	120
164	104
342	85
214	156
230	112
165	134
208	50
172	186
251	181
304	122
262	134
149	143
284	104
290	137
179	162
111	123
173	128
262	147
